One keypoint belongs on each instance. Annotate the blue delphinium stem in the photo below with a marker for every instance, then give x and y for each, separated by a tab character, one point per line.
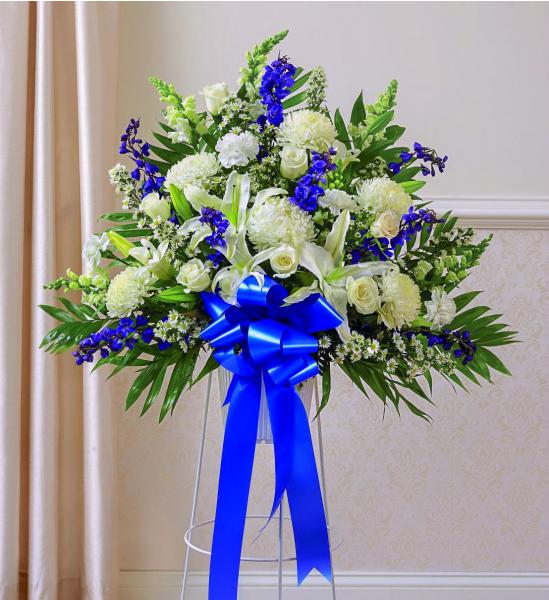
218	223
428	155
308	189
449	339
138	151
276	84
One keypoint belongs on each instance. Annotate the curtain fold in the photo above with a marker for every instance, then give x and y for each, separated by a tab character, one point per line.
57	429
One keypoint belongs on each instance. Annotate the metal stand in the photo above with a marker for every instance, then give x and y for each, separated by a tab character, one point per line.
280	559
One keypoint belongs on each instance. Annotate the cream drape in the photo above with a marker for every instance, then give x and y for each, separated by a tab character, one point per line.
57	435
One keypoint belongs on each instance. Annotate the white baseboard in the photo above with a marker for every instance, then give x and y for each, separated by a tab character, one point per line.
165	585
495	213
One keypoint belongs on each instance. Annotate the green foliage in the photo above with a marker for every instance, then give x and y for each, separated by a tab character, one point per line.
250	75
385	101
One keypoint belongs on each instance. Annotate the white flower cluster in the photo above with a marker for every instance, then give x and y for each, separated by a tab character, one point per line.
196	169
179	329
128	290
356	348
309	130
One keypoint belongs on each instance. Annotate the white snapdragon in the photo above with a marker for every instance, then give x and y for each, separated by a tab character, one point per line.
155	207
441	309
196	169
363	294
284	261
336	201
293	162
308	129
273	220
401	300
194	276
91	252
381	194
128	290
237	150
215	96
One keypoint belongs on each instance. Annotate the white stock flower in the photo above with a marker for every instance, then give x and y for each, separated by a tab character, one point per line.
336	201
128	290
441	309
194	276
196	169
155	207
237	150
215	96
387	225
293	162
273	220
284	261
308	129
363	294
381	194
401	300
91	252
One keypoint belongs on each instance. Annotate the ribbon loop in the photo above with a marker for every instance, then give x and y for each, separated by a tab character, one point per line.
265	343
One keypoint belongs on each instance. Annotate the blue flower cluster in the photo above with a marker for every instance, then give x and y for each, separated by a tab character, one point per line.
217	222
138	151
308	189
113	339
276	82
448	339
428	155
411	223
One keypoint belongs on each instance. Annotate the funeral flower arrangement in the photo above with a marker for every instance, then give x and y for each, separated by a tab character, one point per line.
267	186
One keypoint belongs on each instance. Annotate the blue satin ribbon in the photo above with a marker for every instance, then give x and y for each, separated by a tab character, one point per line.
265	343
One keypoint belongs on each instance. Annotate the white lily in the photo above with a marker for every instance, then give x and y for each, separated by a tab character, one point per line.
152	257
326	264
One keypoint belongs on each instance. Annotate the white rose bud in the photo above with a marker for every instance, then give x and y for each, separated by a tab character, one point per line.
293	162
363	294
194	276
284	261
154	206
215	96
387	225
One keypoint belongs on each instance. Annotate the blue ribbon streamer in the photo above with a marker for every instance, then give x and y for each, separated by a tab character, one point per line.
264	342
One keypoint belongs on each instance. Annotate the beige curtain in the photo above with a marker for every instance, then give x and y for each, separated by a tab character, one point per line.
57	431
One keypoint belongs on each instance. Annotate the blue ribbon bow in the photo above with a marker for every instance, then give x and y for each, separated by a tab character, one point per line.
265	343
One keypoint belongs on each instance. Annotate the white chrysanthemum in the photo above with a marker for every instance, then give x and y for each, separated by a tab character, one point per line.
237	150
128	290
401	300
337	200
381	194
274	220
196	169
308	129
441	309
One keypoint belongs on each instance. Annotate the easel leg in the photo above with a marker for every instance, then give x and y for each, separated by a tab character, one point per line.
280	546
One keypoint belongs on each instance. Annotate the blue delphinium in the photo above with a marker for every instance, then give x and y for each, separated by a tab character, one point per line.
448	340
276	84
113	339
308	189
138	151
428	155
411	223
217	222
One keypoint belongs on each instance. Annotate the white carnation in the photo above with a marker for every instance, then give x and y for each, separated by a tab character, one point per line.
274	221
381	194
441	309
237	150
196	169
336	201
308	129
401	300
128	290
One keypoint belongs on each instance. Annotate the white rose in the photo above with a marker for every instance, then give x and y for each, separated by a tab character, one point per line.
386	225
293	162
363	294
215	96
194	276
284	261
441	309
154	206
237	150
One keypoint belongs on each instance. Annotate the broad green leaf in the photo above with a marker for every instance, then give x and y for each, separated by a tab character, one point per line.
342	133
142	381
126	360
464	299
180	203
295	100
209	366
181	375
326	388
82	311
300	82
176	294
412	186
381	122
155	388
57	313
491	360
117	217
394	132
358	114
406	174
